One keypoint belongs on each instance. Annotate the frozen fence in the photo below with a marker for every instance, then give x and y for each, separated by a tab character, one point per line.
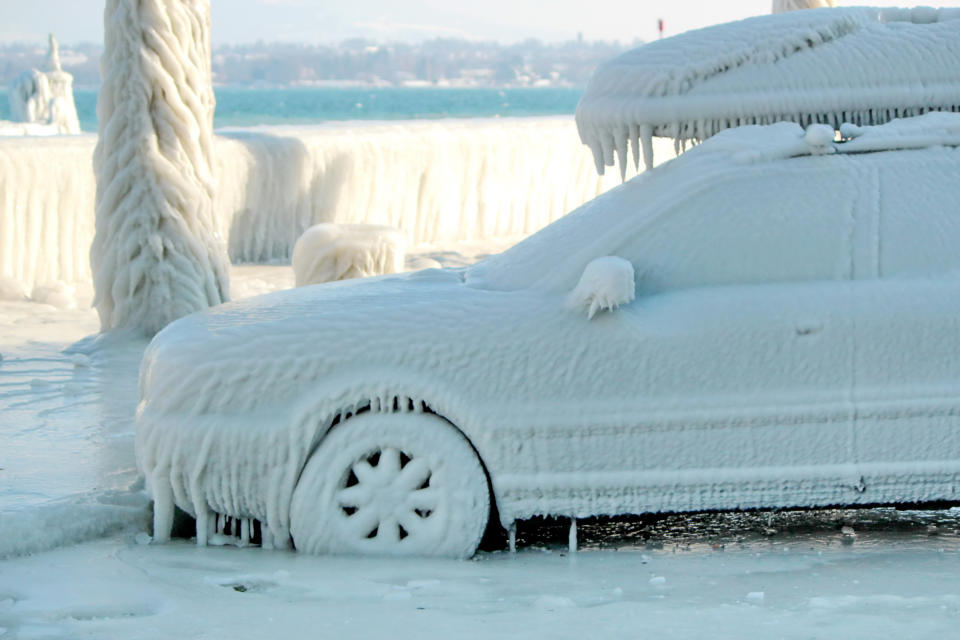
439	181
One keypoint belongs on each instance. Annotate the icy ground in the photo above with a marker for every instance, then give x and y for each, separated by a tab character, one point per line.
702	577
66	468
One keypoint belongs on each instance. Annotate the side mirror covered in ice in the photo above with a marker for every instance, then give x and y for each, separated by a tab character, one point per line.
606	283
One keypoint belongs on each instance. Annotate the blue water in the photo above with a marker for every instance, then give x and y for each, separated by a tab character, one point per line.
249	107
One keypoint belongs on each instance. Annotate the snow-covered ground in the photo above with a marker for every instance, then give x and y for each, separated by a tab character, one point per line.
66	453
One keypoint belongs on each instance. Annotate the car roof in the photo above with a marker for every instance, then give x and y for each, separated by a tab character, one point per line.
757	143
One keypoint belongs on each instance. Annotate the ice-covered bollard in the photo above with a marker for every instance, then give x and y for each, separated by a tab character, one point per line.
606	283
328	252
780	6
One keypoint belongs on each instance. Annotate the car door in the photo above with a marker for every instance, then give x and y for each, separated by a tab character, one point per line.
739	348
907	327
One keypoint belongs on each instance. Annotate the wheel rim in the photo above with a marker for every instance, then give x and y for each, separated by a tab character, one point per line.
386	499
399	484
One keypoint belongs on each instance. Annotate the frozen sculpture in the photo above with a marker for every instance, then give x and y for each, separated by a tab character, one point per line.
45	97
156	255
861	65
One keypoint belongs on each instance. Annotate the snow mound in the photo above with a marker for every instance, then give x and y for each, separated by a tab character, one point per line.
58	294
861	65
11	289
606	283
72	520
329	252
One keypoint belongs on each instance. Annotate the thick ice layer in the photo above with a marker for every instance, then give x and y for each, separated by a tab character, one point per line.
791	343
860	65
441	182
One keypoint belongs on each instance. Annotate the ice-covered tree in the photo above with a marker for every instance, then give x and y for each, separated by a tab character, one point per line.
156	255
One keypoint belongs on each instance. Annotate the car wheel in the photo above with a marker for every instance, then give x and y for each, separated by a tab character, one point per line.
391	484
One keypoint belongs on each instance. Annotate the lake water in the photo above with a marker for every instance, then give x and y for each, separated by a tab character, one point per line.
250	107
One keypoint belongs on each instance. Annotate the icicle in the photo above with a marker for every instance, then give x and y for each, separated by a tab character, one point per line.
512	537
606	144
204	523
621	141
572	540
162	506
266	538
635	145
597	154
646	138
221	523
245	531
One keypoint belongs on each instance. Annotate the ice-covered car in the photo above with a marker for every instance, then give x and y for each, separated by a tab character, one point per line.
794	340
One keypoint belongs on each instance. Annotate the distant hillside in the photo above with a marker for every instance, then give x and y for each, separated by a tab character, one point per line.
441	62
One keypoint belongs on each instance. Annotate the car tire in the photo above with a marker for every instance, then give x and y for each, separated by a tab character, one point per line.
400	484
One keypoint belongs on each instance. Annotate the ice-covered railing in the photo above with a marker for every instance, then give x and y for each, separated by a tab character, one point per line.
442	182
860	65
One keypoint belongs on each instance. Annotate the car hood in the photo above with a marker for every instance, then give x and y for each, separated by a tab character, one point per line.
244	355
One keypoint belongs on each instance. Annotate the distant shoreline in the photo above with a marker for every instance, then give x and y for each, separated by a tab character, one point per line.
240	106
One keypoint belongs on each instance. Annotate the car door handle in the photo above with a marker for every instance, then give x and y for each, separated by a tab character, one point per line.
808	327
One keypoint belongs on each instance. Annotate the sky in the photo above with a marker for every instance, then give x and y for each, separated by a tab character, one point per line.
331	21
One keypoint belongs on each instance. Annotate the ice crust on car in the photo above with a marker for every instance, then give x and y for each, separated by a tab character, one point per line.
861	65
232	403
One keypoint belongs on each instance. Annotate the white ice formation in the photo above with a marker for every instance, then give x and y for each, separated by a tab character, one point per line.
328	252
774	282
442	182
607	282
157	254
860	65
45	98
780	6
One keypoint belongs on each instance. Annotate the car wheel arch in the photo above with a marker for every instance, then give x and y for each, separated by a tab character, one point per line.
358	402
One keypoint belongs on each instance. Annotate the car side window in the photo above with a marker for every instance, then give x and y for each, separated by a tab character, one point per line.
788	221
919	225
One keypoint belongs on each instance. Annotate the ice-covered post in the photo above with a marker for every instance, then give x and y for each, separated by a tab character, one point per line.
156	254
779	6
